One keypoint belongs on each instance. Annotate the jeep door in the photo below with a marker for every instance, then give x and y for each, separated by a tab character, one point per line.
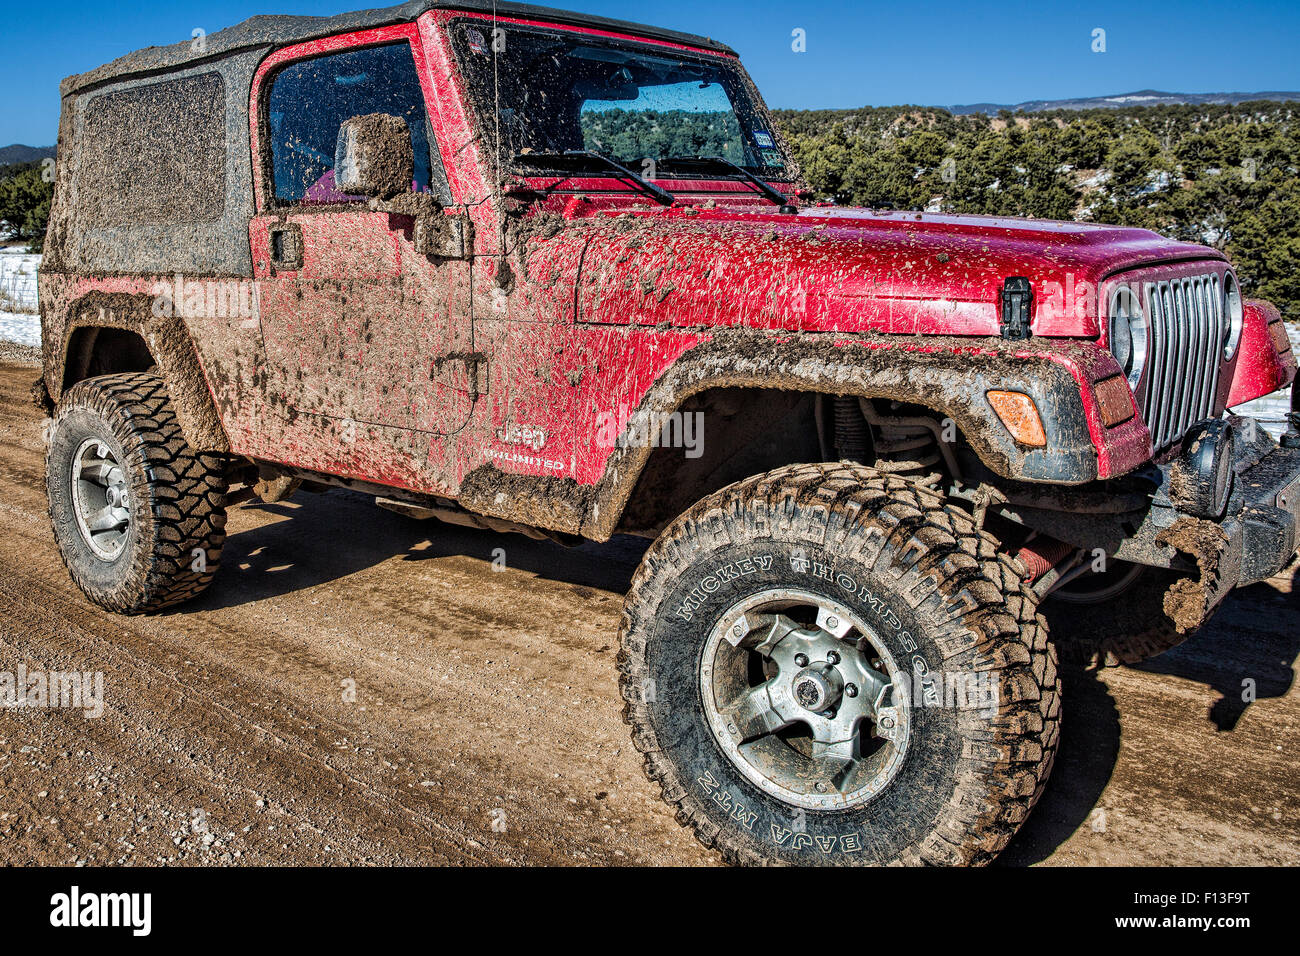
362	334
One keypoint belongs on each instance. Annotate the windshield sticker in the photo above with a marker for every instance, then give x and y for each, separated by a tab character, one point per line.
476	42
764	140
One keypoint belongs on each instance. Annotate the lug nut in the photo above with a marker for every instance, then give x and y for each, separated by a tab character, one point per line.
738	631
832	658
801	660
851	690
887	723
832	622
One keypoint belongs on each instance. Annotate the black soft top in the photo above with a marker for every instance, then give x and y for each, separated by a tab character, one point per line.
273	31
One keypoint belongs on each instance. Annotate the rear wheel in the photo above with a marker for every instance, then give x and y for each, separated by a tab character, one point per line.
139	516
1116	616
827	665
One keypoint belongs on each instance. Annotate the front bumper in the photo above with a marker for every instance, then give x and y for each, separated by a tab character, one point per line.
1256	537
1269	513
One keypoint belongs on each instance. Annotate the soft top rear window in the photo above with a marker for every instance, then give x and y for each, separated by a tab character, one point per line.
155	154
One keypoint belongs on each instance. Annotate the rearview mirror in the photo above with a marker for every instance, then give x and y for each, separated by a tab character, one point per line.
617	85
373	157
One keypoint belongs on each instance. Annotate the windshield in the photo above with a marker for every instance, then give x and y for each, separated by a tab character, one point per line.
538	91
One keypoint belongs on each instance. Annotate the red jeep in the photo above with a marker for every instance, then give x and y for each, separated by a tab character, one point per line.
548	273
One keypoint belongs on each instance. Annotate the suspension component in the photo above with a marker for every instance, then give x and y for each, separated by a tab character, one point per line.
852	434
1041	554
909	445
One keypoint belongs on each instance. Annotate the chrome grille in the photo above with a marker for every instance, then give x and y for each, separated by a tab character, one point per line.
1186	331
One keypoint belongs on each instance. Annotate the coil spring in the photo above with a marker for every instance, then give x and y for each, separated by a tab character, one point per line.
907	450
897	446
852	433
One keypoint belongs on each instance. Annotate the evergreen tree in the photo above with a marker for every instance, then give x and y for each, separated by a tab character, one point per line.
25	202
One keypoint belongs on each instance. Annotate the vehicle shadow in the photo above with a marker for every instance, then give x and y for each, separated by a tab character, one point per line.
1238	658
1085	760
1231	649
332	535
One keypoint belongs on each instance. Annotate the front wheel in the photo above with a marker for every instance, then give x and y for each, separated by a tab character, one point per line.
827	665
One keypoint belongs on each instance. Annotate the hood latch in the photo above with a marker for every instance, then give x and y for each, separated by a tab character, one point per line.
1017	297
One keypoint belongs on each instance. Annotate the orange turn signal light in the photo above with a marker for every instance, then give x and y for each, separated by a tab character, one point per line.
1115	399
1019	413
1281	341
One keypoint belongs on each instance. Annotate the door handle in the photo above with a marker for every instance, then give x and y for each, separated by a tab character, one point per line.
286	247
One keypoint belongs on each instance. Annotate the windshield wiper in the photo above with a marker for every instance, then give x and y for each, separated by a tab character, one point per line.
585	159
717	164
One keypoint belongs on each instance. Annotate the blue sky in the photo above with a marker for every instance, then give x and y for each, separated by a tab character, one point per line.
936	52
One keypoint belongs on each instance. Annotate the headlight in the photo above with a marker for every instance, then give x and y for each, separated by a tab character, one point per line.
1128	333
1232	306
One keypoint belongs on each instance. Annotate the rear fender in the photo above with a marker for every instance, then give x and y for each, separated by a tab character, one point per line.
169	344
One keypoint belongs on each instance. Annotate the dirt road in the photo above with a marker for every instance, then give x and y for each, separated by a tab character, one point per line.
359	687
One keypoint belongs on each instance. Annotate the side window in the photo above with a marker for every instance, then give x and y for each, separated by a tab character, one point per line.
310	100
158	153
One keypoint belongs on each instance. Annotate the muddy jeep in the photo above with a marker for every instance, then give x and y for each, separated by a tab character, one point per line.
553	274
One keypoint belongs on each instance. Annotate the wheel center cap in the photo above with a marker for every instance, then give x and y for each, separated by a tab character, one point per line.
817	688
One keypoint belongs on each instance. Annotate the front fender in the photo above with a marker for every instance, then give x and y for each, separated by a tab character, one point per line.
1260	369
950	376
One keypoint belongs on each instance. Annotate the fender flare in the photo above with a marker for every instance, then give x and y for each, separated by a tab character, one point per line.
949	375
171	347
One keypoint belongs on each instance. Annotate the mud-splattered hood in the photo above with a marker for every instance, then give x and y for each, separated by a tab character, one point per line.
854	270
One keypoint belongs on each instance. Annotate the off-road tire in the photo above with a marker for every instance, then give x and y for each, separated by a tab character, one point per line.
968	779
172	549
1130	628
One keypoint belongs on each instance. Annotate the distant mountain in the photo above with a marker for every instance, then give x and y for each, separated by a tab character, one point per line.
24	154
1140	98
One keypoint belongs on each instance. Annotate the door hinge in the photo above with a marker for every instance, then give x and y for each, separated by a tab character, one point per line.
444	235
1017	303
463	371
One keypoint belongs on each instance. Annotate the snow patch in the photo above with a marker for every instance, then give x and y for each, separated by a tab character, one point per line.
19	320
20	327
1271	410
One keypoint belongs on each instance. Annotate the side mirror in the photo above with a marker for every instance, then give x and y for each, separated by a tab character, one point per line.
373	157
